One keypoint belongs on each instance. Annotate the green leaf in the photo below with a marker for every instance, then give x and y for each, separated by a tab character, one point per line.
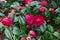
11	15
57	20
15	19
33	3
1	25
57	34
54	4
23	35
16	31
1	14
43	27
23	11
46	35
15	5
33	39
47	13
58	10
8	33
10	1
50	28
21	20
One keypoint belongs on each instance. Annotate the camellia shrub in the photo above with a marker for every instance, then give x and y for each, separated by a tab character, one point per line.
29	19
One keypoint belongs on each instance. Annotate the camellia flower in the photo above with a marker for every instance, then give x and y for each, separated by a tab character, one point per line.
23	38
4	1
52	10
38	20
13	11
43	3
29	38
29	18
42	9
20	8
26	2
32	33
7	21
58	30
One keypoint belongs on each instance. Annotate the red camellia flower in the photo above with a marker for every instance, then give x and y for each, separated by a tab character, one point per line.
7	21
28	27
6	13
38	20
29	38
52	10
13	11
32	33
43	3
23	38
27	2
42	9
29	18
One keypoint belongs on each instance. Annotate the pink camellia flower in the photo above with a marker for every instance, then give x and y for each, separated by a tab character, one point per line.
29	18
29	38
38	20
42	9
32	33
58	30
43	3
7	21
52	10
23	38
20	8
4	1
26	2
13	11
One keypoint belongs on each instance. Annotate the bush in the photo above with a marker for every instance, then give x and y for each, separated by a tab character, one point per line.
30	19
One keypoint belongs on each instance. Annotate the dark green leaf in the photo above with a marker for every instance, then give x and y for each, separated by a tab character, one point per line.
57	20
50	28
54	4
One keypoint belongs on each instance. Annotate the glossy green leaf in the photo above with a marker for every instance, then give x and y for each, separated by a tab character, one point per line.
16	31
56	34
50	28
54	4
57	20
1	14
58	10
8	33
1	25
